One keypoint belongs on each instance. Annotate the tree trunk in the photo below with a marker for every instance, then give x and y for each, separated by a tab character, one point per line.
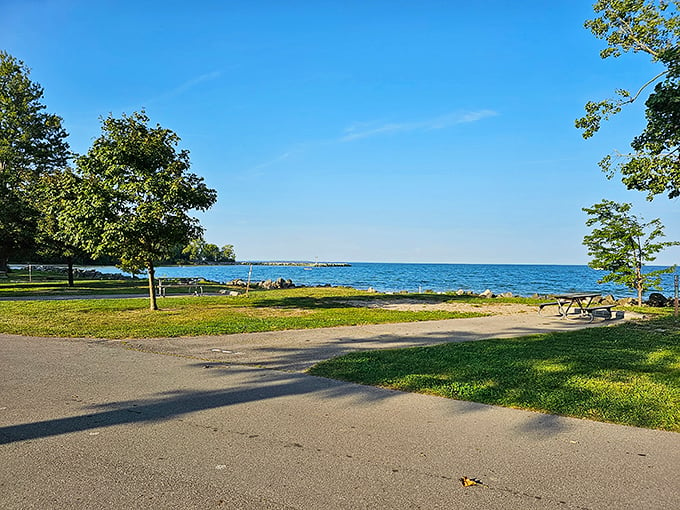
69	261
639	284
4	260
152	290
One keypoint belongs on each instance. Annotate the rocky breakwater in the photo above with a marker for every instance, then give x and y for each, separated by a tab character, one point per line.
280	283
296	264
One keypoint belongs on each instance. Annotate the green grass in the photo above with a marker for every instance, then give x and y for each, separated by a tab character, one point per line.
54	284
299	308
627	374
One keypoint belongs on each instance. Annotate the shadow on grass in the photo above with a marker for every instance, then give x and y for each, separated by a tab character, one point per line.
262	299
628	374
38	288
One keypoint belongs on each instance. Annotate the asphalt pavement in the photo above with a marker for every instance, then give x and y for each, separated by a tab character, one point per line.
167	424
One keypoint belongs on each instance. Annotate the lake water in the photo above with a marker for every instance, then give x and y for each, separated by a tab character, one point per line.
520	279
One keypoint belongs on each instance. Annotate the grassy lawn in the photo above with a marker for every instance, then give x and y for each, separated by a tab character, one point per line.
627	374
207	315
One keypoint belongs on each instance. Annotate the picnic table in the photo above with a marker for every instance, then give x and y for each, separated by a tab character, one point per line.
579	305
191	284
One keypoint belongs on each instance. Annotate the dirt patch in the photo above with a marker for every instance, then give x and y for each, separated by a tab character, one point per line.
419	306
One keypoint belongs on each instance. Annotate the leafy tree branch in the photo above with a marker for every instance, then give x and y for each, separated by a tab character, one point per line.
651	27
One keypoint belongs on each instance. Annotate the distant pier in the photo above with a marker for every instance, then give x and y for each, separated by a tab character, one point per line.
301	264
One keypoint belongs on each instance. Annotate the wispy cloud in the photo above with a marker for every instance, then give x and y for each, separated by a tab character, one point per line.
360	131
366	130
187	85
257	168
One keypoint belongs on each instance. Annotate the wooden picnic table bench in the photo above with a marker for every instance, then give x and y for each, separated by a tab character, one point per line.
557	302
604	310
191	284
578	305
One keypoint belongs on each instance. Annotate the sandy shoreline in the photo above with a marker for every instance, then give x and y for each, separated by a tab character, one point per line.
418	306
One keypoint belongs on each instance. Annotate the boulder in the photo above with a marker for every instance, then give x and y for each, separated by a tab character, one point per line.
627	301
608	300
279	283
487	294
656	299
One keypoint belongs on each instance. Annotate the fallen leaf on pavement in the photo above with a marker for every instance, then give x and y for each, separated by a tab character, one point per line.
469	482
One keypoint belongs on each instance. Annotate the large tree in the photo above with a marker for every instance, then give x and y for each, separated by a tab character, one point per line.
32	143
652	28
621	243
136	193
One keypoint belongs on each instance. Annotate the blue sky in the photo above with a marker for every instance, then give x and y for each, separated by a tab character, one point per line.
387	131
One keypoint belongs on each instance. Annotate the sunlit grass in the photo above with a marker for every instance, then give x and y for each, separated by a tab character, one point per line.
628	374
272	310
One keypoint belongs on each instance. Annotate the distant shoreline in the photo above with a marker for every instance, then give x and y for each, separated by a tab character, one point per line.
303	264
260	263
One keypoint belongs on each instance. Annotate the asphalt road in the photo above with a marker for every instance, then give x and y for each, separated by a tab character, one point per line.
91	424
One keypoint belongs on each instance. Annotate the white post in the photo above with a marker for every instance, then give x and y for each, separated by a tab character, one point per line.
675	301
250	272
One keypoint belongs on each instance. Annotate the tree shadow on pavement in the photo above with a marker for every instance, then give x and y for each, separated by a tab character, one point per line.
263	385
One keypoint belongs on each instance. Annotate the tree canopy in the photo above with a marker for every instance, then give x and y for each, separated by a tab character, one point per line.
135	194
652	28
32	143
56	190
621	244
200	252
